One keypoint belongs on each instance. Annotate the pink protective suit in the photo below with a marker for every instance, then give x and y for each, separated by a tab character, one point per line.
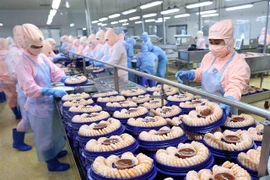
52	42
84	42
78	47
200	40
117	53
7	84
48	49
237	73
262	37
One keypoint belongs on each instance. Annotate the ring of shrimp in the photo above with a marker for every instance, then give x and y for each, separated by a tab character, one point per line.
168	111
111	99
133	92
193	103
251	158
239	121
92	117
147	122
106	94
78	96
85	109
181	97
130	113
256	133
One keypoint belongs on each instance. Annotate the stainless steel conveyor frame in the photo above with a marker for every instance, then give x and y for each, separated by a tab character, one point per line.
240	105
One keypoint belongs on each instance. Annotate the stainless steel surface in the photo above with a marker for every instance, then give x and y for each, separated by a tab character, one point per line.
256	97
192	56
259	64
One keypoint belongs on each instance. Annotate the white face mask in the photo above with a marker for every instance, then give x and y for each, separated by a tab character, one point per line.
35	52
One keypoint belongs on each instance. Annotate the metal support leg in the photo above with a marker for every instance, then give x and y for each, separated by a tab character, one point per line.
261	79
84	67
116	79
262	171
162	94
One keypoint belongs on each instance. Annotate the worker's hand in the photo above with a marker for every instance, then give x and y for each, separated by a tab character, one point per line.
54	92
63	79
185	75
225	107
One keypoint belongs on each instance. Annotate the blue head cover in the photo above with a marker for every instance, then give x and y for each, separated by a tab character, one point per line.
144	37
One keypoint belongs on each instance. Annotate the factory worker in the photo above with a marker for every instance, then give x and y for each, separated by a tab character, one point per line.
65	44
118	53
162	59
145	37
84	42
77	47
48	51
7	84
92	45
13	57
131	41
35	73
223	71
10	41
200	40
262	37
100	43
146	61
52	42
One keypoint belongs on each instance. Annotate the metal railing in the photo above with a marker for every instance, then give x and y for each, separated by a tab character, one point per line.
237	104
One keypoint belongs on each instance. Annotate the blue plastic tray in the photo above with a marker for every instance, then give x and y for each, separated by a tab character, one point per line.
106	108
206	128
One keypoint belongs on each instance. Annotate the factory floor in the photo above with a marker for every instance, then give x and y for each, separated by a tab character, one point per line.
16	165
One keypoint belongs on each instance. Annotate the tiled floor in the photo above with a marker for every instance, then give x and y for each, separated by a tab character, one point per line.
16	165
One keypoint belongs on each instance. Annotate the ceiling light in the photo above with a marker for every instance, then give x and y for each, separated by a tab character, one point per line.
199	4
150	20
207	12
170	11
103	19
151	4
83	28
125	24
134	18
149	15
114	22
114	15
182	15
239	7
67	4
1	24
123	20
138	22
159	21
56	4
166	18
53	12
99	23
50	17
210	15
129	11
95	21
49	21
72	24
103	24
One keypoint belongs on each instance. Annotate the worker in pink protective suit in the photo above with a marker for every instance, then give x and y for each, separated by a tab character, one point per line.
65	44
84	42
118	54
13	57
92	46
35	73
7	84
48	49
262	37
223	71
100	43
77	48
200	41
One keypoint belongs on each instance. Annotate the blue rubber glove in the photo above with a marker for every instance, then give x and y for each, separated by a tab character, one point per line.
185	75
54	92
227	108
63	79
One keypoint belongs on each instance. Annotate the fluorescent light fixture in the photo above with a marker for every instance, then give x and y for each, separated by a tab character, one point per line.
49	21
1	24
199	4
207	12
149	15
134	18
123	20
72	24
138	22
159	21
182	15
56	4
103	19
99	23
129	11
167	18
103	24
50	17
150	20
95	22
53	12
210	15
67	4
114	22
170	11
83	28
125	24
151	4
239	7
114	15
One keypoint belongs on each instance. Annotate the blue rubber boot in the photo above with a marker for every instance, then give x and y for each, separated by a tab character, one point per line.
55	165
62	154
143	81
18	141
2	97
17	113
151	82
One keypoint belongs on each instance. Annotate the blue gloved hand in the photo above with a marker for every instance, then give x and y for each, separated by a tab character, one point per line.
54	92
227	108
63	79
185	75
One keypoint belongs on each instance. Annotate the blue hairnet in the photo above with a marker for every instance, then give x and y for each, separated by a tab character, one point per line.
131	41
145	36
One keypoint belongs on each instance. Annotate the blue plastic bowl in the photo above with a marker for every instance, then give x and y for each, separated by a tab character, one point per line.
124	120
223	154
258	143
107	108
78	125
72	114
253	173
238	128
147	176
206	128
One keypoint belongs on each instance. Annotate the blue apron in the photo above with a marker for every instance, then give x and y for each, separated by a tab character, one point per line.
48	135
211	81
